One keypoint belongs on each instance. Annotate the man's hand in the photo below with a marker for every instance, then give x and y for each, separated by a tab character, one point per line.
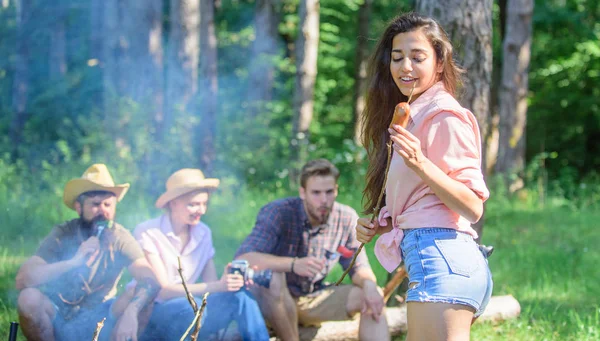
89	249
231	282
127	327
373	300
308	266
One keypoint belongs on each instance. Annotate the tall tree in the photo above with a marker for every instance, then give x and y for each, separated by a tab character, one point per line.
362	46
307	44
469	25
110	62
182	55
264	50
131	63
514	87
21	74
58	41
155	61
208	84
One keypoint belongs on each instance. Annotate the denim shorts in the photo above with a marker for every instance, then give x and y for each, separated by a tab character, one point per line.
446	266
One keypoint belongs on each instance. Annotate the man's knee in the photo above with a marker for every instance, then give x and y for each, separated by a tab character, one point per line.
31	300
355	300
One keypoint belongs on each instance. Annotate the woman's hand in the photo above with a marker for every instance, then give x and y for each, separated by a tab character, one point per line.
408	146
366	229
231	282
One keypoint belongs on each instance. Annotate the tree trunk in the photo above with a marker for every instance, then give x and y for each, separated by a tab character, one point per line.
307	44
21	75
131	61
155	65
208	85
491	152
97	20
469	26
96	54
109	63
183	49
265	48
513	88
360	85
58	42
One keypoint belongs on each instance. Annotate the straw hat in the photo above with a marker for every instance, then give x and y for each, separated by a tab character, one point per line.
185	181
95	178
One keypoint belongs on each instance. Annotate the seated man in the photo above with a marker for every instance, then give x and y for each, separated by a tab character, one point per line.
179	233
298	238
68	285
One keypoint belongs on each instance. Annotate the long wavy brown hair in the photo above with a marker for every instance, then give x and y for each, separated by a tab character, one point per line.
383	95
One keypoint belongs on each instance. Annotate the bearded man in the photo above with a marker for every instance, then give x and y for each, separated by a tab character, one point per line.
70	283
299	238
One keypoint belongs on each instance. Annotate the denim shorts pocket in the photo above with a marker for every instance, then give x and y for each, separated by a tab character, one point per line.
462	256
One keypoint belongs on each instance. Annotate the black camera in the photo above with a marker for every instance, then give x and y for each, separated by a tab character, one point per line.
262	278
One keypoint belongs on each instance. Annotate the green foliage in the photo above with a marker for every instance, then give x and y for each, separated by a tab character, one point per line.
564	113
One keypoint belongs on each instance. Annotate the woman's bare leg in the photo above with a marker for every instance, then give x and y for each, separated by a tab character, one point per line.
439	322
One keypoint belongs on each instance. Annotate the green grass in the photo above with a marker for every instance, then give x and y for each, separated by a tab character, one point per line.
545	257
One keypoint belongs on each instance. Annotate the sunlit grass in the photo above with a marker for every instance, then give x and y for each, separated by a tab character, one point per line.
546	257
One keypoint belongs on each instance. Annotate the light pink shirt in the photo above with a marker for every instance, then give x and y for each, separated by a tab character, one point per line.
156	236
450	138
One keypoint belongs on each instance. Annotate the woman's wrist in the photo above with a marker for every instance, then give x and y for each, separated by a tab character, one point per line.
218	286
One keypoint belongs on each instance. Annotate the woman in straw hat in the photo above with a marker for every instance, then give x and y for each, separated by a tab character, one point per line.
179	233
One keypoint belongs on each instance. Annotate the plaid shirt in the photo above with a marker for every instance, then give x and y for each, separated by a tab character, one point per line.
282	229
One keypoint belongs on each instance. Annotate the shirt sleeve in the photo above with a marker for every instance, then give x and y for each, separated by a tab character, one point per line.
453	146
129	247
362	261
50	247
266	232
143	238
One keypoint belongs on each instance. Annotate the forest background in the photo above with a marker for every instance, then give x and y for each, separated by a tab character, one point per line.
247	90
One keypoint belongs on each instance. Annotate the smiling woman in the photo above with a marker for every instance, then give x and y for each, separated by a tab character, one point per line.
434	188
179	238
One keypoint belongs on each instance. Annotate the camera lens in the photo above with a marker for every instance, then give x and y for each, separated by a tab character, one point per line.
263	278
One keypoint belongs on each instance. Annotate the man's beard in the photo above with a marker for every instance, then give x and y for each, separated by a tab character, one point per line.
318	217
90	224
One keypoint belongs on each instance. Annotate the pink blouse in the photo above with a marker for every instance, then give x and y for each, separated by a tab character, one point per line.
156	236
450	138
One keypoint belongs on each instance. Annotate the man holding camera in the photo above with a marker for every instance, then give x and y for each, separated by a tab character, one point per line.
179	233
68	285
298	238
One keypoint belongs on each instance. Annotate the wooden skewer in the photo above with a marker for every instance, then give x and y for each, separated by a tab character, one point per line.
99	326
387	168
197	321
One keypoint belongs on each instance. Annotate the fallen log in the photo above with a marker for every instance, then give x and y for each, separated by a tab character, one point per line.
499	309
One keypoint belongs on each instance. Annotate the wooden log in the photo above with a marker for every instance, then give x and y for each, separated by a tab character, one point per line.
500	308
394	282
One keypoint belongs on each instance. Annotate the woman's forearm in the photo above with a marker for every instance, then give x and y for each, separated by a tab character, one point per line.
455	195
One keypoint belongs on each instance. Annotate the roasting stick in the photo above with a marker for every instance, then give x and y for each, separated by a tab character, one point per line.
396	119
197	321
99	326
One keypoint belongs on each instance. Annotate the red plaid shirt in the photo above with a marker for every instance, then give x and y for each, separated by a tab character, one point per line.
282	229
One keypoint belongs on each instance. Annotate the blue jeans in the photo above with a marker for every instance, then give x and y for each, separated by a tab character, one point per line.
83	325
170	319
446	266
